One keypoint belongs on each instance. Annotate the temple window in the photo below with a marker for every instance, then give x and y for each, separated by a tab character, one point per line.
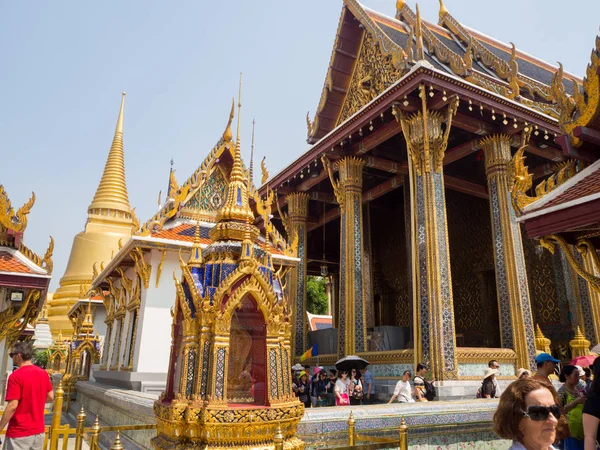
130	346
117	344
106	346
246	376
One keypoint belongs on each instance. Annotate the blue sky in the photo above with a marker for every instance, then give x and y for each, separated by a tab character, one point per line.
66	63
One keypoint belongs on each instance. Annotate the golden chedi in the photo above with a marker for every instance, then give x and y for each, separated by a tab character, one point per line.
228	383
110	218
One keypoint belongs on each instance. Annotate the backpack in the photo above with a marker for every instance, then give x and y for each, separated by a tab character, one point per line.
429	390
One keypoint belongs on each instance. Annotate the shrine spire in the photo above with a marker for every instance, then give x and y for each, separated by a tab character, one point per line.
112	190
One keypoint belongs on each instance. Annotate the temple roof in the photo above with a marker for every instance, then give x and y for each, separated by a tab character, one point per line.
13	261
450	47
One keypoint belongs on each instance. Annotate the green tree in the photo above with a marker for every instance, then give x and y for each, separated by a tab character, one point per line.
40	358
316	297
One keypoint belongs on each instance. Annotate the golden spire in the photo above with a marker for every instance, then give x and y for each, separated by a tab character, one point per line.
400	4
196	254
251	171
236	206
112	190
87	327
419	35
227	135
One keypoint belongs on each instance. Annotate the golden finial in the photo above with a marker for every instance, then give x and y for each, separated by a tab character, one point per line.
419	35
112	190
117	443
87	327
196	254
227	135
251	170
237	138
400	4
265	172
443	10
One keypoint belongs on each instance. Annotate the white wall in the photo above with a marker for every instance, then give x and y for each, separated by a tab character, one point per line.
153	342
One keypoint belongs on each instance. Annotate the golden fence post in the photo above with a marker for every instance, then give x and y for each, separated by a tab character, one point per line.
56	415
117	443
403	435
94	435
278	438
351	425
79	429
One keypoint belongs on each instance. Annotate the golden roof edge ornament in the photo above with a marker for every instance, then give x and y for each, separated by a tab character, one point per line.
48	264
111	193
8	218
420	52
227	135
443	10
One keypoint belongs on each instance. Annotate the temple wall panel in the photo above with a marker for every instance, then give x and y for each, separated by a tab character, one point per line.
390	268
472	262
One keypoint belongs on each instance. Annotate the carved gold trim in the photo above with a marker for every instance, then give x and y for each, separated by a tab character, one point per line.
160	266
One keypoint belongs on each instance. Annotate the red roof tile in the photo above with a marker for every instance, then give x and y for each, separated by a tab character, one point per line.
588	186
10	263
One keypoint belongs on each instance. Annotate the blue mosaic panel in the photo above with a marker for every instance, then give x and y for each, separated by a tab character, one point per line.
477	369
301	291
209	275
390	370
501	277
358	276
423	299
342	301
216	275
445	275
220	377
204	374
190	376
273	385
198	276
227	269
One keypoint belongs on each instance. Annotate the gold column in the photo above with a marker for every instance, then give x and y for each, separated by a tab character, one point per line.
352	332
296	220
434	331
590	298
516	322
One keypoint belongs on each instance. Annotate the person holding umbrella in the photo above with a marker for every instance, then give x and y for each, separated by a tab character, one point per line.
341	389
343	385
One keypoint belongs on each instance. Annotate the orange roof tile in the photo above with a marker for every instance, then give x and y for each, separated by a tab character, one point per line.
185	232
10	263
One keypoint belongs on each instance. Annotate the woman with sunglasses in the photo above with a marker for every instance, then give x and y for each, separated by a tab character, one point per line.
528	413
572	398
341	389
591	410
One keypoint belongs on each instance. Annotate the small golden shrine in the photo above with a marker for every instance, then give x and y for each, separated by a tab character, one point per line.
84	349
228	384
57	355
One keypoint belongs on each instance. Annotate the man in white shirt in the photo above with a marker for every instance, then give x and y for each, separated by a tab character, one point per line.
403	391
493	364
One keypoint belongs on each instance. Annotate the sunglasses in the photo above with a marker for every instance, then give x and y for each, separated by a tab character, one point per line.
13	354
541	413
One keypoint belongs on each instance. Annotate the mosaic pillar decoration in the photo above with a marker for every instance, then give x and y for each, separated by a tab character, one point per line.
516	321
434	331
368	267
352	332
297	215
589	299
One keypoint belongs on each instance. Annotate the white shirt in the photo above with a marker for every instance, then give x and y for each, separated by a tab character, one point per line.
403	392
341	387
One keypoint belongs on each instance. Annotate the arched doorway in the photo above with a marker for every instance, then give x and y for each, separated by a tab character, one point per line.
246	375
56	363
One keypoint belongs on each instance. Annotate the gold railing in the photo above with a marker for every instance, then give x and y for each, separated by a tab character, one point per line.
58	435
57	432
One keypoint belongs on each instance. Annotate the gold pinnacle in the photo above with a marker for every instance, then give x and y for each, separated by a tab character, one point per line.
112	190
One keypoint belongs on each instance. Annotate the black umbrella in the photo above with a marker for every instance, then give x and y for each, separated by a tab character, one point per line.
350	362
